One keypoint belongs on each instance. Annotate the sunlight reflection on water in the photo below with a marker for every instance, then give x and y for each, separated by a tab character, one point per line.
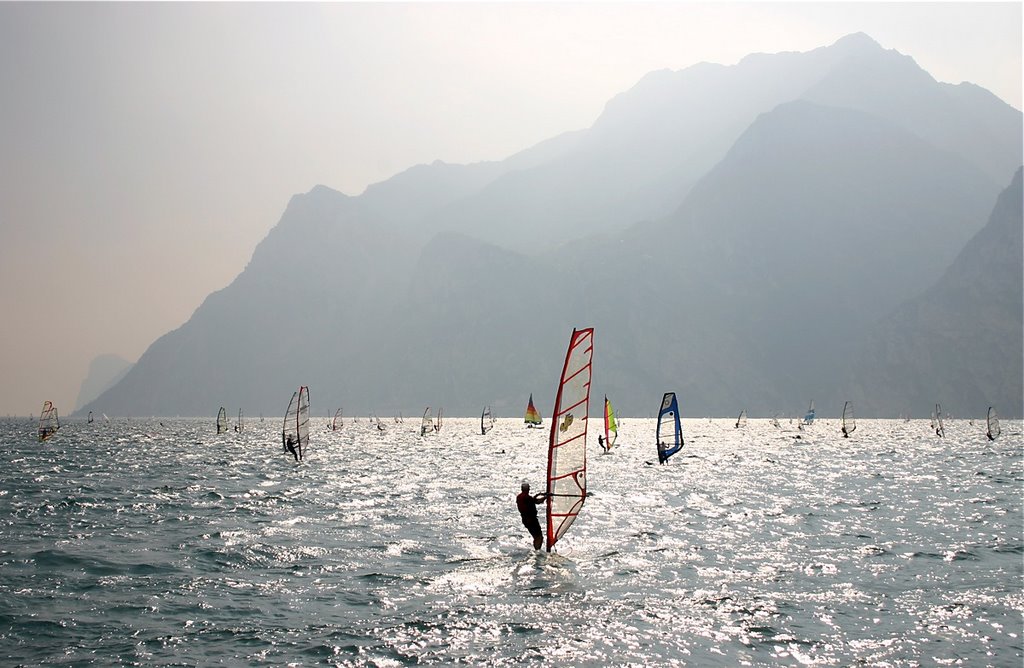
149	543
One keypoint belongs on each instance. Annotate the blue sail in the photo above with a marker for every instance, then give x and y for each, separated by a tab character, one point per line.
809	417
669	430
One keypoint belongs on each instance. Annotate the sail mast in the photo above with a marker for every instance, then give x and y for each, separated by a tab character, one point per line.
567	443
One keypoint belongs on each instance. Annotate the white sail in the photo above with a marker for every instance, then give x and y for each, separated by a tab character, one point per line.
427	424
567	444
222	421
295	431
849	421
486	420
993	429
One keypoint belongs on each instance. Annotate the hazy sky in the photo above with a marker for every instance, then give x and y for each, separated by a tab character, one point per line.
145	149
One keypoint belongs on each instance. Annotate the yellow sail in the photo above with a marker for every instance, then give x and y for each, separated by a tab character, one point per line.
611	428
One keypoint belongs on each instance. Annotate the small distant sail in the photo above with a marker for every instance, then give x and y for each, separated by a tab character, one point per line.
295	431
669	436
741	421
437	424
339	421
849	421
775	421
222	421
993	430
427	425
809	415
940	428
486	420
238	425
49	422
90	417
532	418
567	443
105	418
611	427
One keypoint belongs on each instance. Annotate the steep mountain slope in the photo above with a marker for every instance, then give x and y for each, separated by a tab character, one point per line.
960	342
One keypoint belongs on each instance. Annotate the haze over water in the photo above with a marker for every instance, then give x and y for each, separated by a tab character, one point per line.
157	542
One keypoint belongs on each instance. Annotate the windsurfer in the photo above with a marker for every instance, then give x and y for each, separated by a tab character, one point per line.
527	504
661	452
291	447
600	441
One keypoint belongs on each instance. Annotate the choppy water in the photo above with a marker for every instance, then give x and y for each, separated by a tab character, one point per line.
155	544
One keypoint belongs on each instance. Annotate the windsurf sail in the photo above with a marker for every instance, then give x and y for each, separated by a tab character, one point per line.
90	417
741	421
809	416
849	421
339	420
532	418
611	427
567	444
486	420
49	422
295	431
940	428
427	426
669	436
993	430
437	424
238	426
222	421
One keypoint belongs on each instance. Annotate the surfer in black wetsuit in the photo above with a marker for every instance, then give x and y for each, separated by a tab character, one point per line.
527	504
291	447
661	452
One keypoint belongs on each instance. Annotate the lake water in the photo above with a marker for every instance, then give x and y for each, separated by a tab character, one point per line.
157	542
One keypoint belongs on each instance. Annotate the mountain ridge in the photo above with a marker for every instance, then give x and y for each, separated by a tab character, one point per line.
736	258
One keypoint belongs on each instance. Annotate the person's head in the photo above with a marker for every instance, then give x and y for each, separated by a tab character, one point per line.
525	486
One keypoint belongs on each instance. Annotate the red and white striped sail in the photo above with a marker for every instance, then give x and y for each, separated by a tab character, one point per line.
567	449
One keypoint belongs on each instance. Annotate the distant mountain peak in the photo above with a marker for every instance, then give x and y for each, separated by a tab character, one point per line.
857	41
